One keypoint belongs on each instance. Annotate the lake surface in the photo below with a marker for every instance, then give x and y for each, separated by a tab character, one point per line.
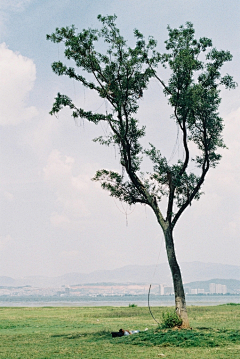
116	301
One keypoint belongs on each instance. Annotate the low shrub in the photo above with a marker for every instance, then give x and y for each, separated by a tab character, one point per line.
170	320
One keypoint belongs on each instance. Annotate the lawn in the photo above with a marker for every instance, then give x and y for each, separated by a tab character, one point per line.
83	332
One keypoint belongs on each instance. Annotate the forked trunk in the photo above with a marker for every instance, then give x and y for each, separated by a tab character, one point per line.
180	301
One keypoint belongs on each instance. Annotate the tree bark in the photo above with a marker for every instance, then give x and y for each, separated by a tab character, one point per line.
180	301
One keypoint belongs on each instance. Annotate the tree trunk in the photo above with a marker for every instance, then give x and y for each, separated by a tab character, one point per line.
180	301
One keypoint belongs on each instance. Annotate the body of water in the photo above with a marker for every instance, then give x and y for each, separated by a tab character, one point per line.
116	301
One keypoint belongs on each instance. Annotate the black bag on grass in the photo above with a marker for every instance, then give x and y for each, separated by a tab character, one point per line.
117	334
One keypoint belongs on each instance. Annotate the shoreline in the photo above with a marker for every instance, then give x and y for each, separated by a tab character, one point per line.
116	301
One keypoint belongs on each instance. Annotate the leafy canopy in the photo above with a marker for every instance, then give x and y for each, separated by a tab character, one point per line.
120	75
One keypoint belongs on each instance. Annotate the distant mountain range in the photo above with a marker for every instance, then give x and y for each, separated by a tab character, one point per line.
191	271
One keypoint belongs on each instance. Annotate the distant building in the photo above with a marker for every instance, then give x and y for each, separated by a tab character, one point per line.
197	291
168	290
217	288
161	289
194	291
212	288
221	289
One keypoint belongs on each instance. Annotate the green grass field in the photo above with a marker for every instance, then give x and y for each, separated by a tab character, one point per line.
80	332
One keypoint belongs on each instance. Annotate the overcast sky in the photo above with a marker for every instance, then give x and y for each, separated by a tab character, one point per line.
54	219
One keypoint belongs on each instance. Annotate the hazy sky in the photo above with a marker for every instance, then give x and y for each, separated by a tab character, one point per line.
54	219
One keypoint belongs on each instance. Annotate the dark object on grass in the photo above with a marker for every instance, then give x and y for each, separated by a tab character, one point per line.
117	334
122	332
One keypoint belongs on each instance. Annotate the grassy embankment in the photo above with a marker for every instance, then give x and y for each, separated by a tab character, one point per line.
85	333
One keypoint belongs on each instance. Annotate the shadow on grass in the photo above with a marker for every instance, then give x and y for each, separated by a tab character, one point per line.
185	338
199	337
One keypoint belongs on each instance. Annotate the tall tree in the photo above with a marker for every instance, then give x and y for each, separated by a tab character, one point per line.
120	75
